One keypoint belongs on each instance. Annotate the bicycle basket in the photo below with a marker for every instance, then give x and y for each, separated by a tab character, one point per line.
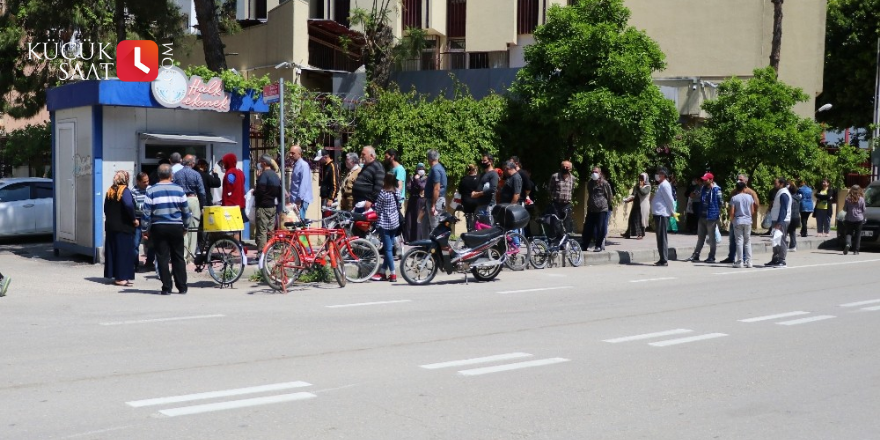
553	226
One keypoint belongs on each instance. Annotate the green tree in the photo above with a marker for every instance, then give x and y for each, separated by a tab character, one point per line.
588	79
753	129
851	38
378	49
461	128
56	22
29	146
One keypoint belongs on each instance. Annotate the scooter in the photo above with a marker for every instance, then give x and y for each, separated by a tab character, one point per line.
483	254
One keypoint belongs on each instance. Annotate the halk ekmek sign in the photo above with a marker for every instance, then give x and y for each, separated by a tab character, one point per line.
172	89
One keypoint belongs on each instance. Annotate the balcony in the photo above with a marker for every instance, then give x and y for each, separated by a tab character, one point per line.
456	61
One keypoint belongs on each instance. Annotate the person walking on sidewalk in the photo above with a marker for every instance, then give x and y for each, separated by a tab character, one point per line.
731	254
855	218
781	215
710	212
386	208
166	216
663	207
741	213
796	198
638	215
596	223
806	205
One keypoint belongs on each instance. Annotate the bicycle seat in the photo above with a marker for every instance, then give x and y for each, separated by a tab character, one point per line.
301	224
476	238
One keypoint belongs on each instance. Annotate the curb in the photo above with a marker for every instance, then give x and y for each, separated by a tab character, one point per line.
651	256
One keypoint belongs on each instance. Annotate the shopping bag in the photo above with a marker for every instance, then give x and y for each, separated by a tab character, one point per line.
250	206
767	221
776	240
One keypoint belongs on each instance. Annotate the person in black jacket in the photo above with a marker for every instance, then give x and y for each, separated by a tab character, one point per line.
485	194
370	180
268	201
469	184
120	226
209	178
328	182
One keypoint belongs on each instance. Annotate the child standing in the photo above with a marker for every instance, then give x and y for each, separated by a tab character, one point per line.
389	221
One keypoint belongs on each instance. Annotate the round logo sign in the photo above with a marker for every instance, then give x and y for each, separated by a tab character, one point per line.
169	88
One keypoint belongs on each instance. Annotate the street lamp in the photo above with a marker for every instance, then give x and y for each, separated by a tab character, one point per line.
824	108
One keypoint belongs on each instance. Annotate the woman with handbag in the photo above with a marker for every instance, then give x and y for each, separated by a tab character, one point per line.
855	218
823	209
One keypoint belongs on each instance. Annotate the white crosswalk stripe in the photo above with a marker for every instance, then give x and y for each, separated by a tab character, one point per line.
806	320
776	316
677	331
232	404
494	359
686	340
861	303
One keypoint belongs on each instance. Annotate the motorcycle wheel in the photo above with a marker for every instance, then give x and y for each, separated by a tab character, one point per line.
540	254
418	266
488	273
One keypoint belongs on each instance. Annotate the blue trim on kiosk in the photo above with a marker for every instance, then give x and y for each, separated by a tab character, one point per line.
97	181
132	94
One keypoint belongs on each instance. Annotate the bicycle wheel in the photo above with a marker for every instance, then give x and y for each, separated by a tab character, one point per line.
280	265
540	254
226	260
337	264
573	253
361	261
519	253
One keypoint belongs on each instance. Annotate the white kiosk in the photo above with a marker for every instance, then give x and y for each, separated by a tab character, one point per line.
99	127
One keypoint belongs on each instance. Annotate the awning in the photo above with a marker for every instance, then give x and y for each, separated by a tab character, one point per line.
188	138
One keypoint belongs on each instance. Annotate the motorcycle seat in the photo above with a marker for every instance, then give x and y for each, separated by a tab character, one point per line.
476	238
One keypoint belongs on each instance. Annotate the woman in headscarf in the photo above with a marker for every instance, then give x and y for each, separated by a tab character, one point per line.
638	215
416	204
120	225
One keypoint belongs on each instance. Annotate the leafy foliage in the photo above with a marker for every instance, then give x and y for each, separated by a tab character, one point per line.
753	129
232	81
851	35
377	52
460	129
588	80
29	146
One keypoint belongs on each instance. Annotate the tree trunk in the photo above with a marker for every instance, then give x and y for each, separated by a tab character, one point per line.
776	45
119	20
210	29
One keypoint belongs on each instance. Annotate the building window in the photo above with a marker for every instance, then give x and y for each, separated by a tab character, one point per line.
456	18
341	12
526	16
412	14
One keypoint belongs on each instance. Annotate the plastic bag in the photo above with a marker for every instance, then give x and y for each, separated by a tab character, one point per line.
456	201
717	235
250	206
776	240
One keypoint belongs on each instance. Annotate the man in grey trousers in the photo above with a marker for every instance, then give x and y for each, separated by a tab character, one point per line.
663	207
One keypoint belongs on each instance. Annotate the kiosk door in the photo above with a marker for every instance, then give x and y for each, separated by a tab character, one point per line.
66	180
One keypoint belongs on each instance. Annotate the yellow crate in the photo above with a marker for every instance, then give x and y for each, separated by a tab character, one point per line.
222	219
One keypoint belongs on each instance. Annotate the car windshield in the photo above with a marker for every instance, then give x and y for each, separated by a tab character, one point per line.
872	196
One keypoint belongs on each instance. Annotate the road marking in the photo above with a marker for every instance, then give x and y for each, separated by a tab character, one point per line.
368	304
677	331
686	340
210	407
480	360
769	317
535	290
652	279
871	309
741	272
806	320
180	318
214	394
860	303
515	366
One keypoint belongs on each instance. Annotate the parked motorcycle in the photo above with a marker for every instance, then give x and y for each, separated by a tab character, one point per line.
482	253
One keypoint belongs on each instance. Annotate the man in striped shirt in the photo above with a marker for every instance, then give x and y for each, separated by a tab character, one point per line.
166	216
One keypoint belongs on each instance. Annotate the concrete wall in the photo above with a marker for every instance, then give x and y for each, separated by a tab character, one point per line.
724	38
491	25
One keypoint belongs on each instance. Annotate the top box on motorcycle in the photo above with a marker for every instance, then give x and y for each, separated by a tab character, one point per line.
510	216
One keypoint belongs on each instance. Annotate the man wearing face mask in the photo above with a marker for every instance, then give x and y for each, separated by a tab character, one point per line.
663	207
562	185
710	212
488	186
596	224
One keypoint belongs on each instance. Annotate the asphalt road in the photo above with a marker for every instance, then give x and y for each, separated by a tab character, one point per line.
691	351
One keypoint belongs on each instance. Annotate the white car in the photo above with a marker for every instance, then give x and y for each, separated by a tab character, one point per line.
25	206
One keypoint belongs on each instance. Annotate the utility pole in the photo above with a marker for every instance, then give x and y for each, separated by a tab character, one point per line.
875	141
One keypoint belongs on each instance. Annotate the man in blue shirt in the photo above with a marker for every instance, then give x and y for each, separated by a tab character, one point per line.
300	182
435	193
710	212
166	216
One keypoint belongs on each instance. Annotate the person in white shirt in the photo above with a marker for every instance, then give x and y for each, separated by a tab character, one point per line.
663	207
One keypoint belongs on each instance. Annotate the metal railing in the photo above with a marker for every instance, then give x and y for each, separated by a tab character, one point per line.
456	61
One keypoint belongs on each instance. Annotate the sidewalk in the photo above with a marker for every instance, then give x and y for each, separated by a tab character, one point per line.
619	250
